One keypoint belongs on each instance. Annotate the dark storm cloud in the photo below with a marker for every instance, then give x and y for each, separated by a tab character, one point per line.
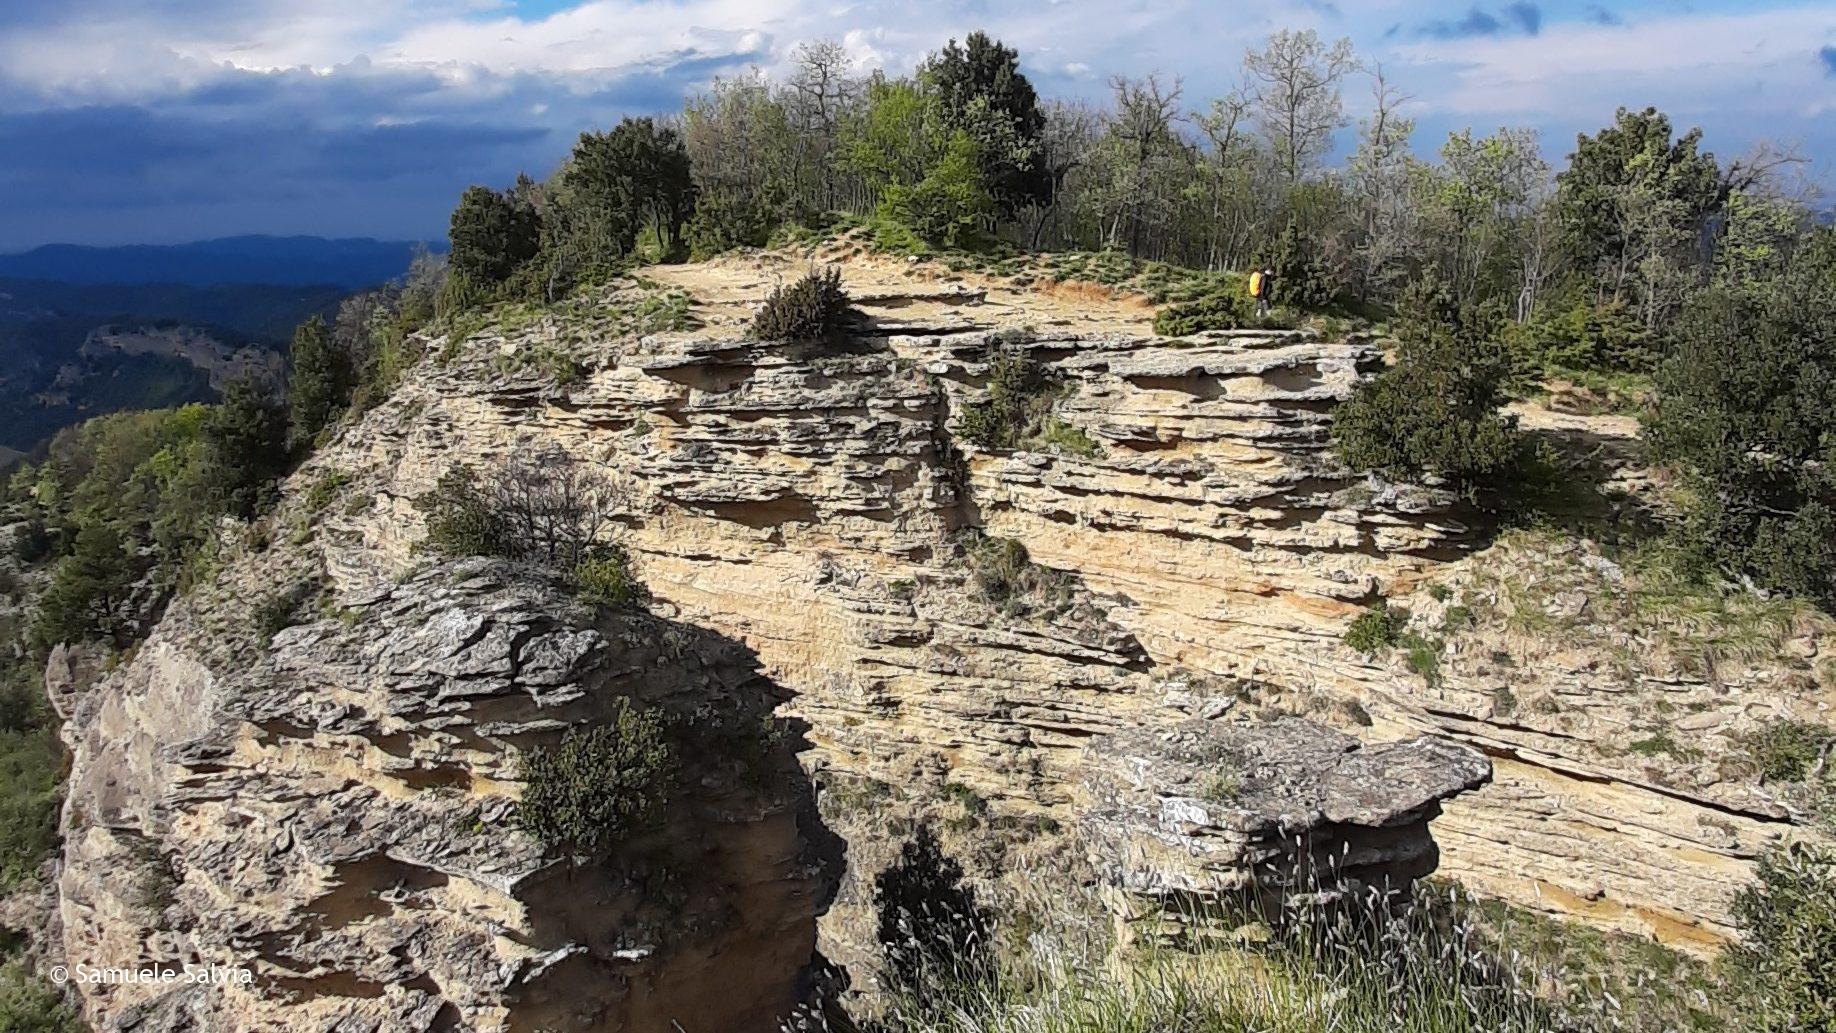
1525	18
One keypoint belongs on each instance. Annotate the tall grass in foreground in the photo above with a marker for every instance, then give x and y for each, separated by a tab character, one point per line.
1352	968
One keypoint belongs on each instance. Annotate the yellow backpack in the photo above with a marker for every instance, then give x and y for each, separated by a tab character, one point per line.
1256	284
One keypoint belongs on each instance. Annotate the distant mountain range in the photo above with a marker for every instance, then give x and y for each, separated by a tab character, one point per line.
352	264
90	330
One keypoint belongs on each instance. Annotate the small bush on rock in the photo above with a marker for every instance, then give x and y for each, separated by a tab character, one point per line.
1375	630
597	785
605	578
812	309
460	520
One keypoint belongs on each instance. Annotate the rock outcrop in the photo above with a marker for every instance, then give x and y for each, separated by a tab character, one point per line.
1204	823
329	818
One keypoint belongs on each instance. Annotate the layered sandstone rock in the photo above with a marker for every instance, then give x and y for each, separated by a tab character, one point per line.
817	504
333	813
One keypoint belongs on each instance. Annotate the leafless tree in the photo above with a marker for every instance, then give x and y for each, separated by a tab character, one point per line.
553	506
1296	80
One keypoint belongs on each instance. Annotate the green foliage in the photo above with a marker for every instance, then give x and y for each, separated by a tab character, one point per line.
1631	203
947	207
1226	309
987	99
1786	750
1375	630
726	220
29	1005
596	786
814	308
1301	278
31	790
1786	958
460	519
937	940
492	235
246	439
320	382
1604	338
605	578
1436	410
1747	407
1017	411
88	591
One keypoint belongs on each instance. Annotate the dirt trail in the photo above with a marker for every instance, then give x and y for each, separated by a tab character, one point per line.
906	295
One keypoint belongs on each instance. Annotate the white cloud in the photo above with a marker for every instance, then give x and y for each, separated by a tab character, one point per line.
1754	62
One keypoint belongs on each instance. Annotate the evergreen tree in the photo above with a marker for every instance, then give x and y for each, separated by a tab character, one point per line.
1747	405
983	94
492	234
319	384
246	440
1436	411
87	593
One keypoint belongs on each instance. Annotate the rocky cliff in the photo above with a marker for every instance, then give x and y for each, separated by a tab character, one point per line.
947	621
813	504
332	813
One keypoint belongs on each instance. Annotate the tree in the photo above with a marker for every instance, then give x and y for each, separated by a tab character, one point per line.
1436	411
319	384
1298	104
1137	157
614	185
491	235
1479	203
245	436
1635	204
1747	406
984	94
88	592
1381	178
937	940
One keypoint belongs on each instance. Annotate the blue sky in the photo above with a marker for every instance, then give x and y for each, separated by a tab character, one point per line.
168	120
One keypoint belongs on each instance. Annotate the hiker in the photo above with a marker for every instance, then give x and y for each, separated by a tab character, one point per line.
1260	287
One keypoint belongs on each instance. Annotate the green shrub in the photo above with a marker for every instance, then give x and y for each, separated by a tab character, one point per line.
814	308
1788	751
1747	408
1376	629
31	766
1786	958
282	611
1585	337
1229	309
30	1005
460	520
1437	410
605	578
659	313
1017	411
1006	577
596	786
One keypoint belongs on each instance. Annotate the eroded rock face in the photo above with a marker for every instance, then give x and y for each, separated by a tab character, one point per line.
1204	819
811	503
334	812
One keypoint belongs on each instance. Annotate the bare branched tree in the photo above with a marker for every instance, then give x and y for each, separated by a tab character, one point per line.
1296	79
552	506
